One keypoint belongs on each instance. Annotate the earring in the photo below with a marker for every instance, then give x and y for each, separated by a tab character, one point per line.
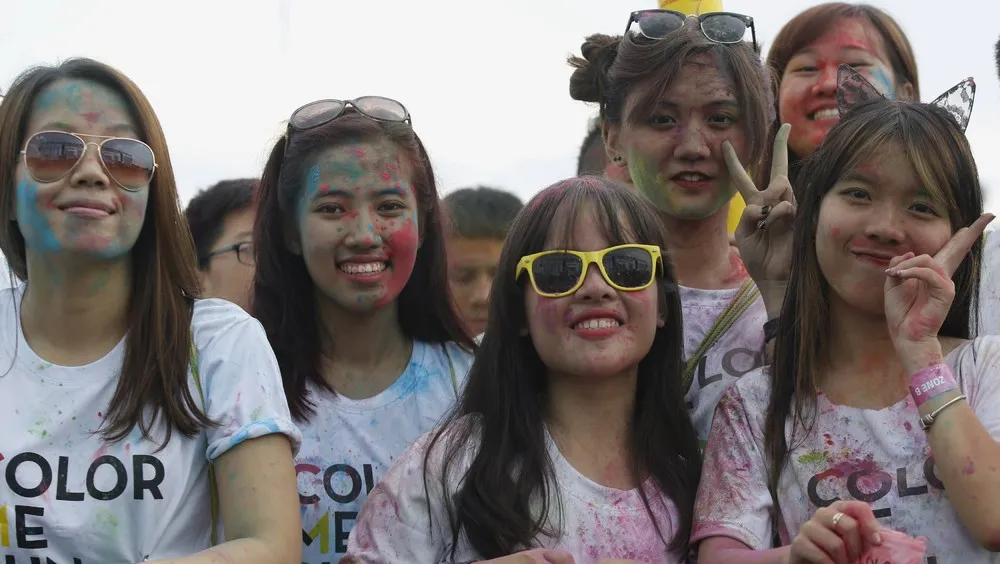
617	159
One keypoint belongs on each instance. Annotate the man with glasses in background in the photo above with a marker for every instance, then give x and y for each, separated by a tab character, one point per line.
221	221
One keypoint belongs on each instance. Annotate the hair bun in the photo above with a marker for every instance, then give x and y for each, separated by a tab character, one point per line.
588	80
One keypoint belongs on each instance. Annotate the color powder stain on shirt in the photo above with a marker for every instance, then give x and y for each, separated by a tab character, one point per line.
814	457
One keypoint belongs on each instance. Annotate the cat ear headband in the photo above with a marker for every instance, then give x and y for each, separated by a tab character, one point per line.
854	90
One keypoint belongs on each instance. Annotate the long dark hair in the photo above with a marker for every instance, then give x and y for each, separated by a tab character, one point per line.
507	387
282	296
941	156
154	374
611	68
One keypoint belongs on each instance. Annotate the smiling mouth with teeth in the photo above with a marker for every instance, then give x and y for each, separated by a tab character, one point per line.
363	268
692	177
603	323
829	113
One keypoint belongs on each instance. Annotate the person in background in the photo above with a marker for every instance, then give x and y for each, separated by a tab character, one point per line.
480	218
121	393
221	221
351	286
592	158
804	58
989	290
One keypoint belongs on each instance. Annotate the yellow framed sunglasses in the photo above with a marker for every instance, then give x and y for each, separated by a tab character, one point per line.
628	268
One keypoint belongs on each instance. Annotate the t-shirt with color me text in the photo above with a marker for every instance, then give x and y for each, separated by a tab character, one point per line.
69	497
878	456
349	444
737	352
596	522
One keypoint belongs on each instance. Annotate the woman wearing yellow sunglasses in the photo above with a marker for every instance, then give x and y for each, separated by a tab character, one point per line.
571	442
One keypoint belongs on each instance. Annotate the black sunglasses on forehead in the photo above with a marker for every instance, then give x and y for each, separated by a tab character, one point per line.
720	27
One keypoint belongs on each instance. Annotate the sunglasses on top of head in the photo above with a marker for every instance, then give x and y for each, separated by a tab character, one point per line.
51	155
628	268
720	27
322	112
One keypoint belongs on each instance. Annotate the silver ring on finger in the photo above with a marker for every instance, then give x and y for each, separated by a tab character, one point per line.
836	518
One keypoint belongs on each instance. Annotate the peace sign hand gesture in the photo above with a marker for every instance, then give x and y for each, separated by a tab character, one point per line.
919	292
764	234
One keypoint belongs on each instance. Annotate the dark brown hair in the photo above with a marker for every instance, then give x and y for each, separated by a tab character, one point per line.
612	68
154	373
282	296
812	23
507	387
942	159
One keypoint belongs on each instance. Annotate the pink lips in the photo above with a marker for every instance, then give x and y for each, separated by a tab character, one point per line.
87	208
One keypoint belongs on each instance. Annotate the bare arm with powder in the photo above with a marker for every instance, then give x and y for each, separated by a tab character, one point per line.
918	296
258	501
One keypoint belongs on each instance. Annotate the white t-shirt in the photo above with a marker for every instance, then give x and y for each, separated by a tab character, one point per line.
597	522
989	286
737	352
878	456
68	496
349	444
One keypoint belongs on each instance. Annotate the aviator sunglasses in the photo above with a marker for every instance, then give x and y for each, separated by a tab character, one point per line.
719	27
51	155
628	268
322	112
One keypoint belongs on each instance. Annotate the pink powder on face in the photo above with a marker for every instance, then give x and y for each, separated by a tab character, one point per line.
403	242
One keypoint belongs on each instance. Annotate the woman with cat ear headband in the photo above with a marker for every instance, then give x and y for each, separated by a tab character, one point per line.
866	428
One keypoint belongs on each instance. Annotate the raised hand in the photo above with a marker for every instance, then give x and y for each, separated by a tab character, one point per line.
919	291
764	234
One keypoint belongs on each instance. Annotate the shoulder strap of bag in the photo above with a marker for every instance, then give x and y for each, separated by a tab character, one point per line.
451	367
213	492
741	302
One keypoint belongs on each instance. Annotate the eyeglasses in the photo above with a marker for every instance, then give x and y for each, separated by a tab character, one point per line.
51	155
244	252
322	112
554	274
720	27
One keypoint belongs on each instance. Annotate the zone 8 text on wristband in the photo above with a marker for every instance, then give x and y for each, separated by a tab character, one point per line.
931	382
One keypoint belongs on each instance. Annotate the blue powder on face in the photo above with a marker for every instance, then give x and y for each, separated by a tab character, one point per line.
33	219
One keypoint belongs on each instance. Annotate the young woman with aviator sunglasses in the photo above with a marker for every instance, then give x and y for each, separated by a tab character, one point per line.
351	286
671	91
571	442
121	391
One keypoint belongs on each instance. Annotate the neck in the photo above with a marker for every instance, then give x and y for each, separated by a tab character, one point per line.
590	422
364	352
74	312
701	253
859	364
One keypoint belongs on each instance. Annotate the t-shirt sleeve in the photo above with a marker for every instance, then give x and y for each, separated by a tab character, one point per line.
242	385
401	521
733	498
980	373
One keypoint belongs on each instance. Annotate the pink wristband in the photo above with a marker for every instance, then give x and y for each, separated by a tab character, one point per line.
931	382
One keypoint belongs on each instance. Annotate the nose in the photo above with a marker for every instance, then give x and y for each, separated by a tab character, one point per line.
826	81
481	290
89	172
363	232
595	287
885	225
692	145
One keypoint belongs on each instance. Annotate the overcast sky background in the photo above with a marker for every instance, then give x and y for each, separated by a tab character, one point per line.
486	83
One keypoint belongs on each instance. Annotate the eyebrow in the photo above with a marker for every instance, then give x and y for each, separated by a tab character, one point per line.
712	103
858	176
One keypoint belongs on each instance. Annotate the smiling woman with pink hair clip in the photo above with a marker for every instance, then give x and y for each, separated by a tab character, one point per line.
880	411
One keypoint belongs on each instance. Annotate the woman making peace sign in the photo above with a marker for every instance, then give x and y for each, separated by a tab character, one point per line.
891	419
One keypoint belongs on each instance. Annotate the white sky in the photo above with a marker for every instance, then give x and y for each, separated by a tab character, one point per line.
486	83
